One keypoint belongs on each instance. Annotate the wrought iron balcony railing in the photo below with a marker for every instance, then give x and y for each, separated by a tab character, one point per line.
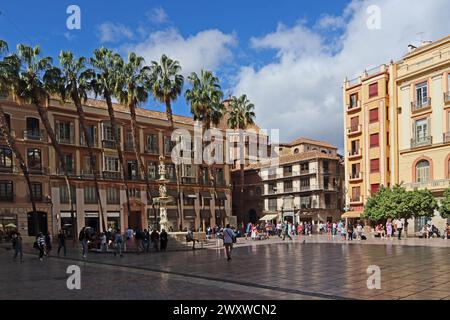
108	144
420	104
421	141
34	134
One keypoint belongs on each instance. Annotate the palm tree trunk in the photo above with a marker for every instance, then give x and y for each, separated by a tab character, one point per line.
92	163
5	130
241	169
112	118
48	128
169	112
137	153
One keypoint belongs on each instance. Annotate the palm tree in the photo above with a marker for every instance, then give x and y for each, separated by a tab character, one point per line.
5	80
105	82
166	86
133	91
167	83
205	98
240	116
31	85
72	82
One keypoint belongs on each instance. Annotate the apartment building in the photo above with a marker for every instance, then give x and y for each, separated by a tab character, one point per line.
199	205
306	185
397	122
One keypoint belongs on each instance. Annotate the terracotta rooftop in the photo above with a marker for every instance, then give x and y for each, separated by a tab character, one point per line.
140	111
308	141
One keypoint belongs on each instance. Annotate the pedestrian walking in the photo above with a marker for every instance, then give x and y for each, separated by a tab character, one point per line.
389	229
146	240
399	225
139	239
154	237
350	231
359	231
48	243
103	242
163	238
228	240
40	245
83	237
17	246
62	242
118	243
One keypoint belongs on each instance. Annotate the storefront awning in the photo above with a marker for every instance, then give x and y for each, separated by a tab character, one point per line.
221	195
189	214
352	214
269	217
206	195
205	214
189	194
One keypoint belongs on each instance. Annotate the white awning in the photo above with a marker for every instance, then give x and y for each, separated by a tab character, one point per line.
113	214
66	214
269	217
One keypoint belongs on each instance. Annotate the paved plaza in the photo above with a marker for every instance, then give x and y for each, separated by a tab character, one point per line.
317	269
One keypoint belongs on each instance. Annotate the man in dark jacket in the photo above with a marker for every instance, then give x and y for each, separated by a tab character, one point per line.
62	242
164	238
155	239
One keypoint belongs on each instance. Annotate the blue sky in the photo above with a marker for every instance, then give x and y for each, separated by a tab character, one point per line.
289	57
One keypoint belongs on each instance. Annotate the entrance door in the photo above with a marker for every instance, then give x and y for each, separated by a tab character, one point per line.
41	221
134	220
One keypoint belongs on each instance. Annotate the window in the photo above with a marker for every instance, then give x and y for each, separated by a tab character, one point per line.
375	165
287	171
373	115
387	138
326	183
8	121
36	191
327	199
353	100
129	141
326	166
33	131
423	171
354	124
168	144
355	147
152	170
421	94
92	135
204	175
421	130
355	170
305	202
374	140
373	90
65	132
111	164
272	188
5	157
152	144
189	171
356	193
374	188
90	195
132	170
64	194
296	151
273	204
220	178
188	200
87	168
388	164
34	159
288	186
304	166
304	183
68	160
6	191
107	132
134	193
113	195
170	172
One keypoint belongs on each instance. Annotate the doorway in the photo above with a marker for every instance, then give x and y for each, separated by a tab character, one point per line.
134	220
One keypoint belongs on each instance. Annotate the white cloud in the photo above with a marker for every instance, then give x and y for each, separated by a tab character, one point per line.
157	15
113	32
300	91
207	49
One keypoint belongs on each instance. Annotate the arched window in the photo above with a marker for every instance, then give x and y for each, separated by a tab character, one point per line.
422	171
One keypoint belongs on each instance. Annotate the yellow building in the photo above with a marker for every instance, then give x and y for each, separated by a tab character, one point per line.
397	124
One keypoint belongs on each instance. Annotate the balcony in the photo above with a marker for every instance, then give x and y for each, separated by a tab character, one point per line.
447	97
354	177
34	134
129	147
355	154
6	169
65	141
354	130
112	175
9	197
421	142
430	185
87	174
446	137
134	178
354	108
94	144
38	171
151	149
421	105
109	144
356	200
